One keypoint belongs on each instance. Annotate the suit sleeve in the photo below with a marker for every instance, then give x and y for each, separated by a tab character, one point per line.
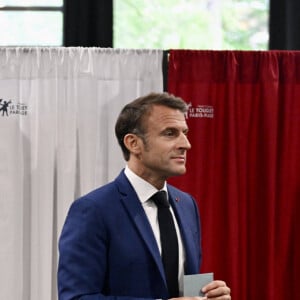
82	268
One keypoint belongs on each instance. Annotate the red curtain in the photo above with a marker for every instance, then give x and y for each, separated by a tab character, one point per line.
244	165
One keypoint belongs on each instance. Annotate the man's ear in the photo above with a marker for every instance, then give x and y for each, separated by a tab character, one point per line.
133	143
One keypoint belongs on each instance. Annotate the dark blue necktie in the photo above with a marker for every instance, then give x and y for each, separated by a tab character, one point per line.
169	242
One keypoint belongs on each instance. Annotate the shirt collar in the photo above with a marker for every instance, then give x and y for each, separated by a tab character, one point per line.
143	188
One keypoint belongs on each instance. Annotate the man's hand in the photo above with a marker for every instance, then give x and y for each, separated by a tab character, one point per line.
217	289
189	298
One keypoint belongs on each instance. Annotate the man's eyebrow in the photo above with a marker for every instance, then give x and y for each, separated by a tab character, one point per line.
176	129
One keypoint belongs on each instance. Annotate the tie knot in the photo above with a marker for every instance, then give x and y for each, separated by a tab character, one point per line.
160	199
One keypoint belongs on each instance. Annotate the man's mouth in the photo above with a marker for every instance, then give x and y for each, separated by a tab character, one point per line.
179	158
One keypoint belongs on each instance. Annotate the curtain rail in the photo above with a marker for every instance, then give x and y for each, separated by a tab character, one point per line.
31	8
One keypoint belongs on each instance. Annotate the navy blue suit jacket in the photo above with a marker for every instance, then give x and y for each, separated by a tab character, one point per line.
108	250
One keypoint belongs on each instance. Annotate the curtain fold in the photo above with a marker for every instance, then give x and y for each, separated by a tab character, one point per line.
243	166
57	113
88	23
284	19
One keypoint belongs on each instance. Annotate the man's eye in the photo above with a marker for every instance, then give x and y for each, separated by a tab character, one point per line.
169	132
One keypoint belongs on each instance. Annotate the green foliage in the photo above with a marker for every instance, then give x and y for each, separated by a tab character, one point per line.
190	24
247	30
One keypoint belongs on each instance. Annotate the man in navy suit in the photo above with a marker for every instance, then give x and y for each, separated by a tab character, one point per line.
110	246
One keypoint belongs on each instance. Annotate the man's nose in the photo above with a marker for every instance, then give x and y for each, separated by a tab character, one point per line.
184	142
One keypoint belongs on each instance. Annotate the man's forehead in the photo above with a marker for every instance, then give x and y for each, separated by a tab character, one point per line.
166	112
168	120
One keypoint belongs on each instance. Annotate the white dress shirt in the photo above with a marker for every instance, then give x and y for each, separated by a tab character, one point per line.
145	191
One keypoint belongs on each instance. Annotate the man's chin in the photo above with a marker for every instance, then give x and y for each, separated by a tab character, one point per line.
179	172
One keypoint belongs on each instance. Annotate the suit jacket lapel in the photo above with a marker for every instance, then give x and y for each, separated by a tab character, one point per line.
191	263
133	206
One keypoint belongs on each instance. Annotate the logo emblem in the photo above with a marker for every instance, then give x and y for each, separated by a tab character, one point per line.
200	111
9	107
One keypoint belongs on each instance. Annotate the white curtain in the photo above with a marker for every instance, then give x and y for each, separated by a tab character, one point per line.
57	112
